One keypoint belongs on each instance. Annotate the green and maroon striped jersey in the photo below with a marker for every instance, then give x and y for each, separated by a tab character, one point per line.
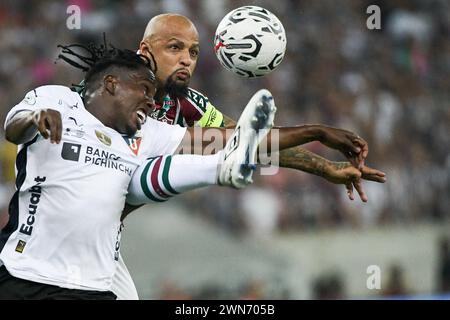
192	110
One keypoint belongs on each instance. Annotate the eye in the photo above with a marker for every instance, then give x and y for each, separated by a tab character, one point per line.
195	53
146	90
174	46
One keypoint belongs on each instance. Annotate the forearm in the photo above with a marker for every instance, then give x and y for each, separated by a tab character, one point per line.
287	136
304	160
197	139
307	161
21	127
295	136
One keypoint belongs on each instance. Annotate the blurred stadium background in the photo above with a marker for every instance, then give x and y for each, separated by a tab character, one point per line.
292	235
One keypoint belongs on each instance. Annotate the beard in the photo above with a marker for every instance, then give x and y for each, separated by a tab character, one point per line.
174	89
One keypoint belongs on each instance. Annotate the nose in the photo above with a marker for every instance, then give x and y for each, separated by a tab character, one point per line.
186	59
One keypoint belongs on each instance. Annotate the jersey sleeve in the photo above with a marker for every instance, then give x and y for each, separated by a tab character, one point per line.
45	97
211	118
197	110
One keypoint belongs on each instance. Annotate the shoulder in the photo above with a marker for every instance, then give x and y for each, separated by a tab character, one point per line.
53	90
196	108
63	94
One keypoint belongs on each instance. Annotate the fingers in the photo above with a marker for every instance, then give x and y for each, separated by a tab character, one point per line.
374	178
54	126
49	124
352	144
373	175
363	147
356	150
349	188
358	186
355	160
360	190
39	120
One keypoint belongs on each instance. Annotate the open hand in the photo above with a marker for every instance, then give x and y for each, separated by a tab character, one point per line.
351	177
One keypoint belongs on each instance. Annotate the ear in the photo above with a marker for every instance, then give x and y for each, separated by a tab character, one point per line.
144	48
110	84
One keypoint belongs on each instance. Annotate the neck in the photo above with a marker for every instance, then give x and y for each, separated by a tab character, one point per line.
98	110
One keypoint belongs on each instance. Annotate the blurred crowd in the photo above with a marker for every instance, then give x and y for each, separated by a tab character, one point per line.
391	86
329	285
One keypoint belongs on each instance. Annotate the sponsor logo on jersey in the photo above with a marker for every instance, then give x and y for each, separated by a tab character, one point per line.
35	197
20	246
77	133
168	103
106	159
71	151
117	245
103	137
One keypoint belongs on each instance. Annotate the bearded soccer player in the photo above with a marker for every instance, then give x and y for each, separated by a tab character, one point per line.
174	42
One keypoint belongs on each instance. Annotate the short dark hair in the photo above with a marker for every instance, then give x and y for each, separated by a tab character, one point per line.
96	59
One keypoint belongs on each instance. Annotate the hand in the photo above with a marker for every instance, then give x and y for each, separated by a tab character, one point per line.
48	123
354	148
345	173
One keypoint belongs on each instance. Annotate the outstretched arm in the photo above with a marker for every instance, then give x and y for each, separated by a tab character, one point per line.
336	172
354	148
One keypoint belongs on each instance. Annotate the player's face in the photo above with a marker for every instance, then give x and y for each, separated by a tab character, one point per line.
176	50
133	102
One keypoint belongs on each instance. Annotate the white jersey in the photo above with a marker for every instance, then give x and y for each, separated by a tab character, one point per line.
64	226
123	285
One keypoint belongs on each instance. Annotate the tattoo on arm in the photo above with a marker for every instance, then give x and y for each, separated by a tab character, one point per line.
300	158
304	160
340	165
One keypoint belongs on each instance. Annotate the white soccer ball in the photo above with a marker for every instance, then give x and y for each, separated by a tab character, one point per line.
250	41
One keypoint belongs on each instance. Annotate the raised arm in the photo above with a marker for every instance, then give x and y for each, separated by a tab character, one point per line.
36	113
24	125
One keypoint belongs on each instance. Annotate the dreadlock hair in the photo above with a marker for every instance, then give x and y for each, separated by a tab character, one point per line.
95	59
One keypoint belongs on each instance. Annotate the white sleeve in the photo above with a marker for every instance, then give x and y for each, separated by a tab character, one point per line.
163	138
40	98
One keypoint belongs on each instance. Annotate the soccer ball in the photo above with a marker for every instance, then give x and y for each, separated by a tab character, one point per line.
250	41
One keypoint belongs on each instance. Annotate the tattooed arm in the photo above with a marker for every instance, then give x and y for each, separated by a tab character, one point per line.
335	172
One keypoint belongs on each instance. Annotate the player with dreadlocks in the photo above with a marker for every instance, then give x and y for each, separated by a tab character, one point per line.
80	159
